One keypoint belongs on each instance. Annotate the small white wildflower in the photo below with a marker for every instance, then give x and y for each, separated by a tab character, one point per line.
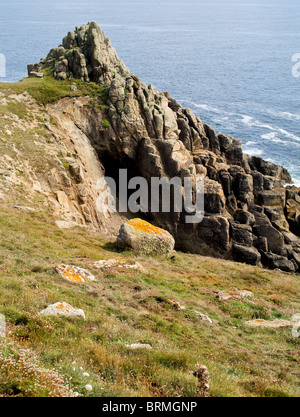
81	368
88	387
85	374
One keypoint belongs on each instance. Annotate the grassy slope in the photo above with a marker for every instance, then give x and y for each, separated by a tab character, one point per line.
48	90
125	307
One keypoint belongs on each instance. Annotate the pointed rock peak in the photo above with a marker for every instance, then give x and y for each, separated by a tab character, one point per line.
86	54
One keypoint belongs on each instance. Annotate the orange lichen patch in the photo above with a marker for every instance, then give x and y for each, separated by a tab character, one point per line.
74	273
63	307
143	226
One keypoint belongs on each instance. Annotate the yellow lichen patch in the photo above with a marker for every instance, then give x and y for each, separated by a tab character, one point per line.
74	273
146	227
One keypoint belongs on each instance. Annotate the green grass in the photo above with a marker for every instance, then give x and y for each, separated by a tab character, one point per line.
124	307
48	90
105	123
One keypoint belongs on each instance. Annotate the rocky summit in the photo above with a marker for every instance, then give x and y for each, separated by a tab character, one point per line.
252	213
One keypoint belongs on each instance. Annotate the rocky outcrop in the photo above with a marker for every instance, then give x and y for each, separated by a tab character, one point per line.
251	215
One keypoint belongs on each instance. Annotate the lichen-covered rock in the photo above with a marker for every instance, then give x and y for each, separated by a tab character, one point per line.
141	236
62	309
270	323
118	263
74	273
234	295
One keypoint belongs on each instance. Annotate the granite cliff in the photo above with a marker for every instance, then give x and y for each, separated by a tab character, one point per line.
252	214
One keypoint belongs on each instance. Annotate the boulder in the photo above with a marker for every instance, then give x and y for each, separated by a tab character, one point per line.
241	234
246	254
118	263
35	74
270	323
141	236
274	261
204	317
74	273
244	217
274	237
63	309
239	295
213	231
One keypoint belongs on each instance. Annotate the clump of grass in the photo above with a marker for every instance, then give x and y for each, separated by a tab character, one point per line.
16	108
105	123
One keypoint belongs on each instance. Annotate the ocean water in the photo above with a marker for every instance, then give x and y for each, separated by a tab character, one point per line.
230	61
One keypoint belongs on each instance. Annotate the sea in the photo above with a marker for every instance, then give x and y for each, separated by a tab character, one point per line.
233	62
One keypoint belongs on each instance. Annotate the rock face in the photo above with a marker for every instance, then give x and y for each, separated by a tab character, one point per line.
250	214
141	236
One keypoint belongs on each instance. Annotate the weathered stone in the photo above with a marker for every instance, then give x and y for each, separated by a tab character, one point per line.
274	261
244	217
214	199
35	74
234	295
204	317
242	234
118	263
246	254
261	243
270	323
63	309
272	198
214	232
274	237
141	236
74	273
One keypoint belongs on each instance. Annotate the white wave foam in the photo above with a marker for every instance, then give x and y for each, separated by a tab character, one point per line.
272	136
284	114
251	122
253	151
208	108
289	134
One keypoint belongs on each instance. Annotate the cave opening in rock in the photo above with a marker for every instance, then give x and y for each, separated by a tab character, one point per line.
112	166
